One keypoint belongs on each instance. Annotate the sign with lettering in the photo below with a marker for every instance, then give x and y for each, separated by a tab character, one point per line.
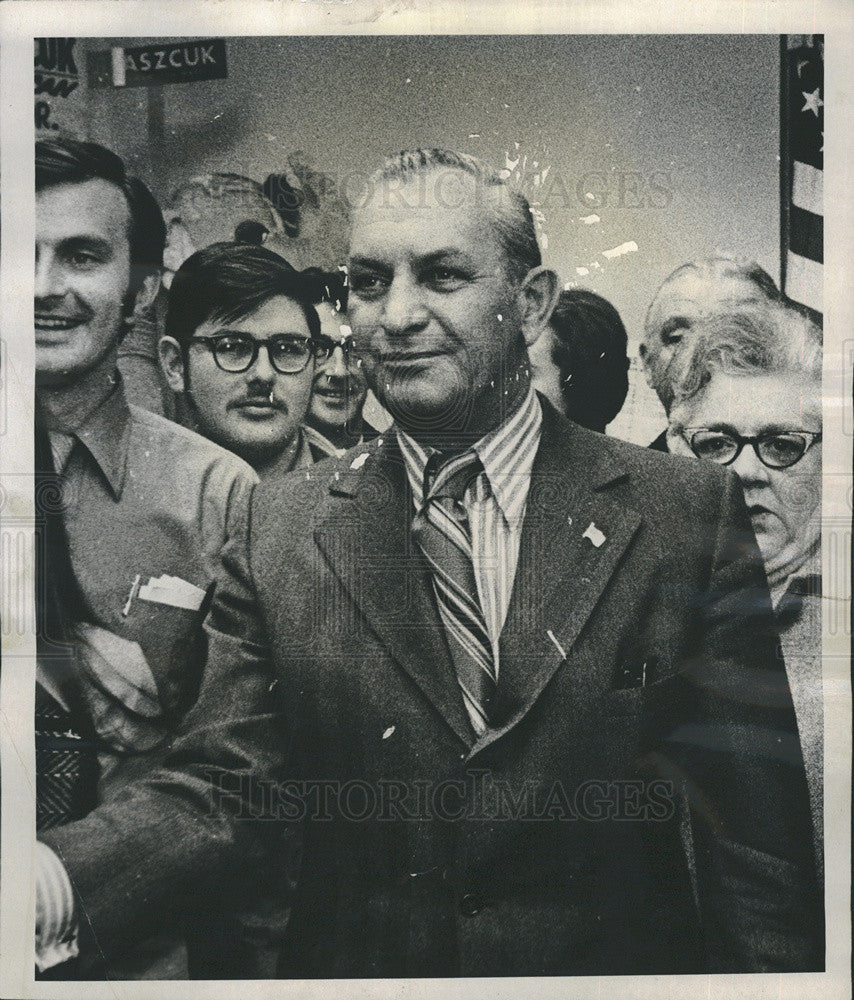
155	65
58	100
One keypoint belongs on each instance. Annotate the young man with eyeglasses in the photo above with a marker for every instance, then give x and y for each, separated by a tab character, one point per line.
240	344
748	396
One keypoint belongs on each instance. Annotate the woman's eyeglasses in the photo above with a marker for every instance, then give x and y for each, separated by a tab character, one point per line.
774	449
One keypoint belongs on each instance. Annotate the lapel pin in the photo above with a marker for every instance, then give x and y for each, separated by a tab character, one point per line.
553	638
594	535
359	461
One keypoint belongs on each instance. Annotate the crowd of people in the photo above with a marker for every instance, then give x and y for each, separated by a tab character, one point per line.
250	587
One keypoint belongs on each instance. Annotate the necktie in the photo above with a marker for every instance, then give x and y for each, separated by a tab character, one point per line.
66	765
66	758
442	532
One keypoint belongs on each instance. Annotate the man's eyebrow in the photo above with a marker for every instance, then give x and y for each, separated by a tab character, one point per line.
369	263
437	256
87	242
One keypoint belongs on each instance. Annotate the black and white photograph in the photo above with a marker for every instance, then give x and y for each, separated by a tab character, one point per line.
425	524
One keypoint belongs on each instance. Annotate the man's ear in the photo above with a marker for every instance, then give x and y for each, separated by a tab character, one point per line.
538	295
148	291
172	363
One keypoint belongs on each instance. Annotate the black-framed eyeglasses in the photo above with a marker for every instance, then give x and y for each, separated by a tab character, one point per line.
774	449
237	352
324	348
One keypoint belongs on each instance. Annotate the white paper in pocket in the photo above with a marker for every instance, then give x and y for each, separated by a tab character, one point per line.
173	591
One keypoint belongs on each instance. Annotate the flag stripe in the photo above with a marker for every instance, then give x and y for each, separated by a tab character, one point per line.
801	169
805	281
808	188
807	238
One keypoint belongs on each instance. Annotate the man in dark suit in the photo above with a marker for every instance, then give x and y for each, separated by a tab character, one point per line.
516	681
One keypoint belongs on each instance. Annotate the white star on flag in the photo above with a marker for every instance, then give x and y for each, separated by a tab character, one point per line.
814	102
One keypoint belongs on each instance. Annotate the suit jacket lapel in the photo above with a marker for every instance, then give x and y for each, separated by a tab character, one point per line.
367	544
561	574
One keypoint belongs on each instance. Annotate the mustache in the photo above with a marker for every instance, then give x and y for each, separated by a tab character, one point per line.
258	399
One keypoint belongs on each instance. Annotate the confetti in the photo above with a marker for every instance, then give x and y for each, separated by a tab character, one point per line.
623	248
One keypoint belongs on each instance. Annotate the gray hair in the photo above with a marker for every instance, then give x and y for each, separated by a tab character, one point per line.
713	269
512	218
774	339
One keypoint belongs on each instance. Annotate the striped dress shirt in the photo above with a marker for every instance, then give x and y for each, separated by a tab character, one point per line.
495	504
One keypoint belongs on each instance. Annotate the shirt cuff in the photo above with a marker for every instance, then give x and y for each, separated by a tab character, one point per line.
56	922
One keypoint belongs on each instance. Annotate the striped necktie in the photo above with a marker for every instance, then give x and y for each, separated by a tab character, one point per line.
442	532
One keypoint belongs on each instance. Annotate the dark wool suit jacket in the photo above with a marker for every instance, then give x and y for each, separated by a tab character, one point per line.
639	807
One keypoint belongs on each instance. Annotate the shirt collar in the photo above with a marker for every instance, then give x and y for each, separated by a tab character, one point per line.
321	442
105	434
507	454
303	457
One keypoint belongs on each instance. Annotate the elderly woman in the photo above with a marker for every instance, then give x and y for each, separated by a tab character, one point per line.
748	396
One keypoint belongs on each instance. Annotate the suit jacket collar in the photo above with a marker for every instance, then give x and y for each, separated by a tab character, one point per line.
366	541
572	540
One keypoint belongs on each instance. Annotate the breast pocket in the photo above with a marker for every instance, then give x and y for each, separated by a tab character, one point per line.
641	698
175	645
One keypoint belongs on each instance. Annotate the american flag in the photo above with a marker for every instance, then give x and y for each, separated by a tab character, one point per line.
801	169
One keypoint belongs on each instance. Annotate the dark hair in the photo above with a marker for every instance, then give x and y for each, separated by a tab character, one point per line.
590	350
69	161
228	281
512	218
331	287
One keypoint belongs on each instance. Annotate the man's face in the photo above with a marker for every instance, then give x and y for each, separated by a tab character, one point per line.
784	504
679	305
82	277
340	387
235	409
432	305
